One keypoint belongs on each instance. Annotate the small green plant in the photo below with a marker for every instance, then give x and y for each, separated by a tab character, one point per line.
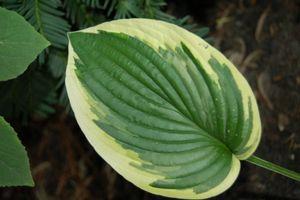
19	46
164	108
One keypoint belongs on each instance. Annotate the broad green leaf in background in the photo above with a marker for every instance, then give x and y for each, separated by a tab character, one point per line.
14	164
165	109
19	44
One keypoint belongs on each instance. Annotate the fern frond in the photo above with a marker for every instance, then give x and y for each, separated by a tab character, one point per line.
57	61
45	108
80	15
153	9
75	11
127	9
97	3
27	93
135	8
45	16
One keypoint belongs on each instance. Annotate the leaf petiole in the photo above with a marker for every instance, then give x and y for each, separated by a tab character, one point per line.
273	167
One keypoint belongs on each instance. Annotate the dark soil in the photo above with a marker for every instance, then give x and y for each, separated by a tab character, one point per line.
262	38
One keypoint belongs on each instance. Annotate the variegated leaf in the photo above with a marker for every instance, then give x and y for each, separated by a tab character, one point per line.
164	108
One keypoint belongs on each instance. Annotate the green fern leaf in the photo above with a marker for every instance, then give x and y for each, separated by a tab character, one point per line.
96	3
80	15
75	11
26	94
45	16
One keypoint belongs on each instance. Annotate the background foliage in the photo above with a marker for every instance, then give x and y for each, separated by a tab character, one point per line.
42	85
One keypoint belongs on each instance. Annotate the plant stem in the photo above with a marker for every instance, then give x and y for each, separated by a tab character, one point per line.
273	167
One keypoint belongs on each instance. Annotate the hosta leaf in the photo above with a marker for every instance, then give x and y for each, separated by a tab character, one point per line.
14	164
165	109
19	44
